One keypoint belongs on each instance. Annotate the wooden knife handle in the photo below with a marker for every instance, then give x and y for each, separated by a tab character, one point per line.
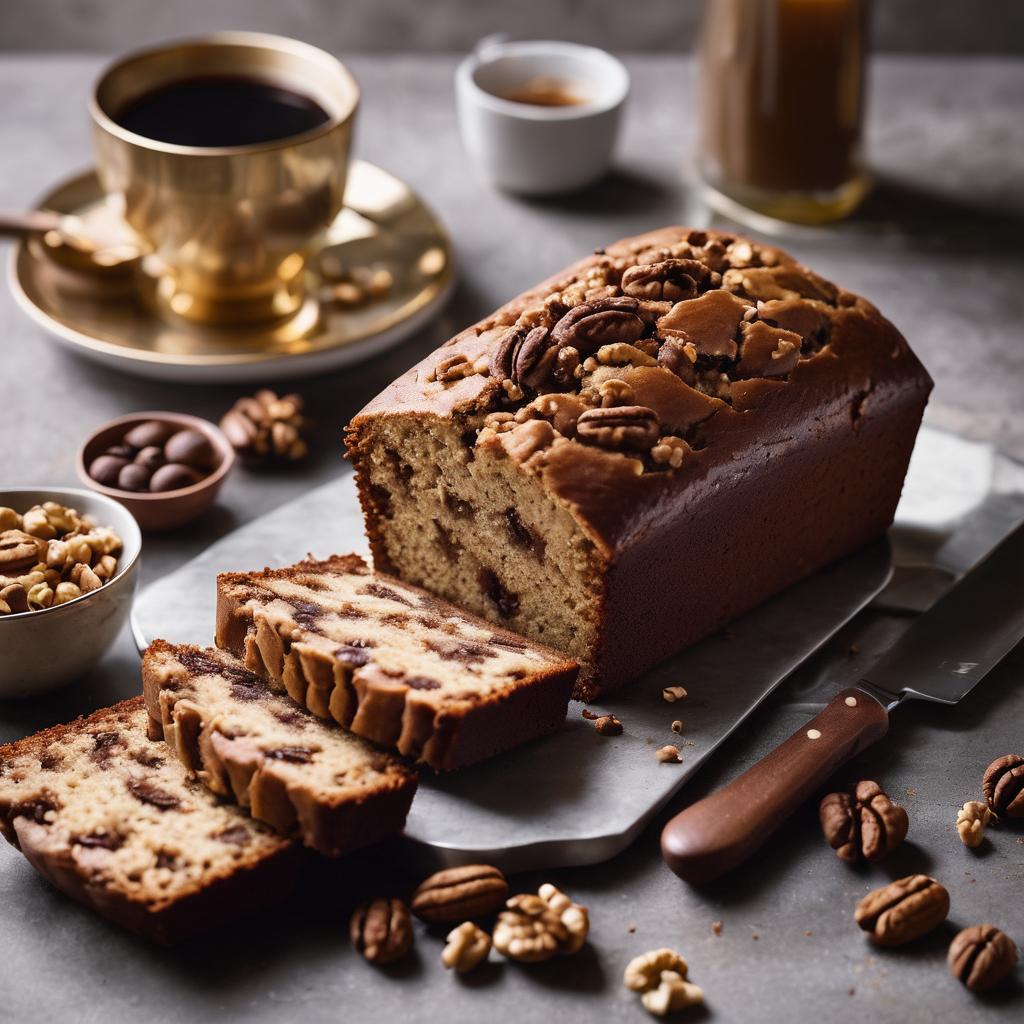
721	831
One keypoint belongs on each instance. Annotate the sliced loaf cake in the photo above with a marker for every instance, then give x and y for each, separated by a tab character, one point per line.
110	818
332	790
391	662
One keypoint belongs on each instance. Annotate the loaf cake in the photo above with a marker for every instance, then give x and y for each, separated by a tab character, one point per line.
391	662
110	818
245	743
621	460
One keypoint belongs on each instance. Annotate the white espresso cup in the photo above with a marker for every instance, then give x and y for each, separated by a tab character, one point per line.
533	148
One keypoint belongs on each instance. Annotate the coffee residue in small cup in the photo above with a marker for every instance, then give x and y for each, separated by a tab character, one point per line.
542	91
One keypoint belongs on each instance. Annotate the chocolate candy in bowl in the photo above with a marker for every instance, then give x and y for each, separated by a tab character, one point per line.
165	467
68	627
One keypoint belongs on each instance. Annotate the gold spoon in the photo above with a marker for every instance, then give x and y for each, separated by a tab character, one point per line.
102	246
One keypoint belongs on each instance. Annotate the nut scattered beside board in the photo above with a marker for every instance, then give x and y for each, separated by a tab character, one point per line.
981	957
660	977
381	930
902	911
1003	785
455	894
864	824
264	427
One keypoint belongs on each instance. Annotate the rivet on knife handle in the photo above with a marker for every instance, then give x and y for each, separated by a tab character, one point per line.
721	831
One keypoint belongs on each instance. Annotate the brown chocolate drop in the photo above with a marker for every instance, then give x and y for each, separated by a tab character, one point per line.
147	793
504	600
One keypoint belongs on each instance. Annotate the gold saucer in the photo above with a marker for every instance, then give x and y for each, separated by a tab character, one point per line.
383	272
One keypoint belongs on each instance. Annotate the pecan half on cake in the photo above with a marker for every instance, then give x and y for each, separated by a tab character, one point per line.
113	820
391	662
633	453
306	779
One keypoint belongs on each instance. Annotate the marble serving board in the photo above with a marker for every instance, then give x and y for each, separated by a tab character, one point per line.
575	797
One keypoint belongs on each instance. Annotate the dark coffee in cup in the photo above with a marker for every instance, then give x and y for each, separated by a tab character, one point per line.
222	110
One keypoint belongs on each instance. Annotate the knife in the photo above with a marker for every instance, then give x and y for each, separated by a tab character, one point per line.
940	658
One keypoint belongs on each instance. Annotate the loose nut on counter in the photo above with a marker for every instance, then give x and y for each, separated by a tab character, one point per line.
608	725
535	928
1003	786
660	978
381	930
673	993
971	820
265	427
864	824
673	693
466	947
668	754
903	910
456	894
981	957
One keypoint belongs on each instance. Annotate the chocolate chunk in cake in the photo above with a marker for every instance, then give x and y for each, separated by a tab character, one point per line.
129	834
306	779
410	672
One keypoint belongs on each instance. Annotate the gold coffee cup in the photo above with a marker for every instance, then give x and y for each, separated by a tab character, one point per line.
226	229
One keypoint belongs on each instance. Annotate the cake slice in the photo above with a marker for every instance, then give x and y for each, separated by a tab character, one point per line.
106	815
391	662
306	779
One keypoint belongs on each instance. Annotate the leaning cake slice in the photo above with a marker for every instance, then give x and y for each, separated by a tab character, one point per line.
306	779
392	662
105	814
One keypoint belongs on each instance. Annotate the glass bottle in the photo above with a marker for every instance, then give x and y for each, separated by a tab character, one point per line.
782	106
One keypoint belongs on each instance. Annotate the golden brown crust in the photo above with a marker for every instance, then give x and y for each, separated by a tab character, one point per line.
264	875
437	723
330	789
742	435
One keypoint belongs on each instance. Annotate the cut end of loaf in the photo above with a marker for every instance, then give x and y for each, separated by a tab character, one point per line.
470	526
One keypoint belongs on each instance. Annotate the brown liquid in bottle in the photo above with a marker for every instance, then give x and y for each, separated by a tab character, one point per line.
782	97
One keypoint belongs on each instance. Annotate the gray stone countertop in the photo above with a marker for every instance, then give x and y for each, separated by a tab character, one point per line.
937	249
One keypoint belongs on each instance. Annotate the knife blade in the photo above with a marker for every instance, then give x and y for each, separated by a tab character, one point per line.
942	656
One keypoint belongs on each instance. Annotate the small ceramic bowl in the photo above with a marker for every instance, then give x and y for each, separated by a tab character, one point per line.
530	148
160	510
42	650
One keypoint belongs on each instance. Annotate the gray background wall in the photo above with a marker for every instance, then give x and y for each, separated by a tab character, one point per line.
915	26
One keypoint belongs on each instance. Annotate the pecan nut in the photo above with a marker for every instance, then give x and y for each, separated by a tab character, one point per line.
381	930
590	325
669	280
20	550
903	910
264	427
466	947
865	824
981	957
1003	786
528	358
634	427
456	894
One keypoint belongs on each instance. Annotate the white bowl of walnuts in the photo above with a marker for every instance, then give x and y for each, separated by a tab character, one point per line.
69	563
